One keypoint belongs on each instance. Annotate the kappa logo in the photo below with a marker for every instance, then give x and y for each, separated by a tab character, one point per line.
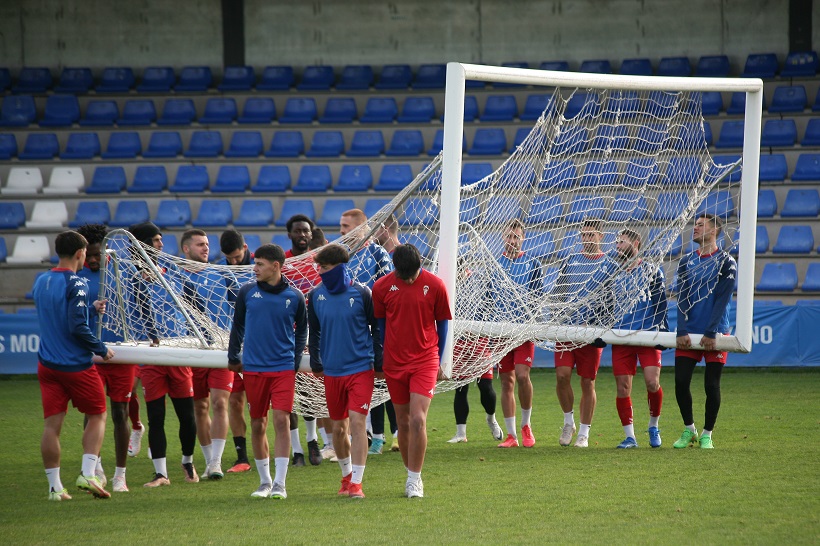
80	304
432	391
394	288
365	407
257	295
79	283
287	302
529	359
351	302
425	289
81	292
322	297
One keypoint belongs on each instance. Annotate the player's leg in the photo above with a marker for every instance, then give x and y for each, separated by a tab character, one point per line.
624	367
564	362
137	428
312	437
650	359
684	368
88	396
488	402
588	359
236	418
155	383
295	440
202	413
523	364
282	392
258	393
377	423
394	428
416	440
219	430
184	408
461	409
119	416
506	371
711	384
54	399
358	451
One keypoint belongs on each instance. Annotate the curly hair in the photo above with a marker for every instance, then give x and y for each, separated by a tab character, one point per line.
93	233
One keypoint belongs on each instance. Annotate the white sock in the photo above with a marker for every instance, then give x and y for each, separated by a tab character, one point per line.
281	466
53	475
329	443
325	439
509	424
346	466
707	433
89	464
525	417
691	428
461	430
99	467
263	469
378	437
413	476
206	452
119	472
295	443
491	418
217	449
629	430
358	474
369	423
584	430
187	459
310	430
653	421
161	466
569	418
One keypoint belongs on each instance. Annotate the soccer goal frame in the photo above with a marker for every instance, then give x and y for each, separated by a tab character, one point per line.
459	73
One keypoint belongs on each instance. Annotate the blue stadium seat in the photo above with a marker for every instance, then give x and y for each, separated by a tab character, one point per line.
163	144
191	179
801	203
628	207
326	144
394	177
585	206
501	209
488	142
674	66
252	240
237	78
286	144
773	168
8	146
419	211
653	137
214	213
214	252
5	79
204	144
149	179
418	240
721	163
75	80
339	110
788	98
541	245
295	206
194	78
812	135
812	281
636	67
599	173
40	146
660	241
373	206
761	240
430	76
545	209
107	180
395	76
116	80
720	203
90	212
766	204
219	110
406	142
281	239
470	109
33	80
18	111
101	113
501	108
535	106
601	66
380	110
177	112
612	137
558	174
761	65
800	64
779	132
794	240
569	243
807	167
299	110
254	213
320	78
670	206
473	172
583	105
173	213
737	105
778	277
276	78
354	178
640	173
356	77
157	79
138	112
713	66
731	135
313	178
232	178
245	144
81	146
332	212
570	142
258	110
130	212
366	144
521	135
438	143
711	103
468	210
61	111
123	145
816	106
12	214
557	66
272	178
170	245
417	110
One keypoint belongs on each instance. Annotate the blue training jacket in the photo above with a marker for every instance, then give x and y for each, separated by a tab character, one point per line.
705	286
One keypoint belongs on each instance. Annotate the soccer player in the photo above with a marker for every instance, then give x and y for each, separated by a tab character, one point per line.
414	313
234	249
580	275
264	318
345	348
640	287
705	283
65	370
515	366
388	234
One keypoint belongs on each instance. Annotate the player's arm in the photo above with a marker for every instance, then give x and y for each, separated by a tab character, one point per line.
684	303
301	332
375	331
315	332
237	330
658	302
232	286
78	320
384	264
722	294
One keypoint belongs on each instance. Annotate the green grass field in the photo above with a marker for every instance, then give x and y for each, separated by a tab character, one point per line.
761	485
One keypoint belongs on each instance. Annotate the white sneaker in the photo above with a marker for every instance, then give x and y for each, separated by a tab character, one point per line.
566	435
457	439
119	485
100	473
135	443
328	452
582	441
207	474
215	471
495	430
263	492
278	491
414	489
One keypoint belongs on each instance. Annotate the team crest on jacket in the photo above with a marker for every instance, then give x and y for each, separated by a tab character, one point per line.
351	302
425	289
287	302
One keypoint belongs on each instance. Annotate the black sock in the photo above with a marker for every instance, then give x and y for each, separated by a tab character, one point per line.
241	450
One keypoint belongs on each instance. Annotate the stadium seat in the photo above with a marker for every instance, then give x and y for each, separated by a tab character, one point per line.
163	144
800	64
653	137
286	144
138	112
272	178
12	214
18	111
557	66
191	179
535	106
779	132
395	76
816	106
582	105
737	104
295	206
219	110
276	78
541	245
628	207
380	110
612	137
157	79
583	207
33	80
61	111
358	77
354	178
731	135
419	211
468	210
258	110
417	110
149	179
670	206
794	240
502	108
65	180
130	212
406	142
253	241
761	65
394	177
116	80
339	110
232	179
636	67
40	146
5	79
245	144
778	277
545	209
170	244
488	142
788	98
313	178
470	109
177	112
773	168
281	239
807	167
317	78
214	213
194	78
569	243
326	144
254	213
75	80
558	175
803	203
214	252
521	135
761	239
332	212
418	240
48	215
640	173
473	172
766	204
600	173
204	144
237	78
674	66
596	67
173	213
366	144
721	164
108	179
123	145
82	146
23	181
720	203
29	249
299	110
91	212
502	209
570	142
438	143
812	281
373	206
711	103
102	113
713	66
812	135
8	146
430	76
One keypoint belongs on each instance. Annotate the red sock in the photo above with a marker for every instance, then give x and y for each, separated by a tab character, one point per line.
624	406
134	412
655	402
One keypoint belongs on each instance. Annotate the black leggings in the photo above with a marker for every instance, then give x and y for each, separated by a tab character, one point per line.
184	408
461	407
684	368
377	417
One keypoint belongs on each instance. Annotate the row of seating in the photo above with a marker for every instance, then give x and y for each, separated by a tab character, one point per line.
200	78
782	277
799	203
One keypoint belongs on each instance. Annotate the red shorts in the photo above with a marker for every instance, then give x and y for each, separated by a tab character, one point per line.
349	393
625	358
707	356
523	354
175	381
205	379
270	390
84	389
585	359
118	380
238	383
407	379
